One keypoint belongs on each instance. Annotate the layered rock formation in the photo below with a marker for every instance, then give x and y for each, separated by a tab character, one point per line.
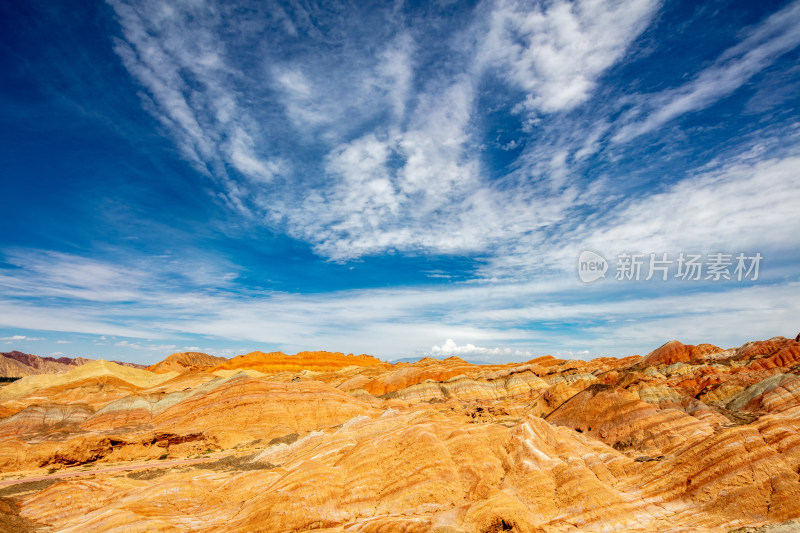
184	361
688	438
18	364
313	361
677	352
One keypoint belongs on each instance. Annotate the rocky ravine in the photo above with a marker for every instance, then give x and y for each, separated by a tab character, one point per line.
688	438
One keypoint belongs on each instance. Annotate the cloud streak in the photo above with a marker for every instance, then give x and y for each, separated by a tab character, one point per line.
767	42
518	319
20	338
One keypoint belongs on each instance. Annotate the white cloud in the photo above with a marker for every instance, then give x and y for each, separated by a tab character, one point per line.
495	317
149	347
415	180
413	183
304	104
175	53
556	51
449	348
408	190
241	152
21	338
405	171
744	205
569	354
396	72
66	275
419	185
741	206
767	42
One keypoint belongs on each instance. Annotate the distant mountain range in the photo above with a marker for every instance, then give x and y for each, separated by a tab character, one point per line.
420	358
17	364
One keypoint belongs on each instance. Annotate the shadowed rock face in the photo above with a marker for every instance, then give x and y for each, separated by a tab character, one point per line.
689	438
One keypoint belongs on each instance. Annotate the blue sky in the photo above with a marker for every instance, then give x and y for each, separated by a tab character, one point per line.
396	179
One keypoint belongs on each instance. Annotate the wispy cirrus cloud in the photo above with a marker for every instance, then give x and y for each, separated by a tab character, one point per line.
149	347
508	134
763	45
416	181
175	52
421	185
727	207
56	275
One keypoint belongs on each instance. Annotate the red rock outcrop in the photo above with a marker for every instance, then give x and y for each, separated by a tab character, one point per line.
677	352
774	353
185	361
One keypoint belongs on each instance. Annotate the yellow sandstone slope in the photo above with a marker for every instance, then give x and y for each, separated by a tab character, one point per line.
95	369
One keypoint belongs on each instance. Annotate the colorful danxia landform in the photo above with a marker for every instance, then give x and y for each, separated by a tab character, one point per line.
687	438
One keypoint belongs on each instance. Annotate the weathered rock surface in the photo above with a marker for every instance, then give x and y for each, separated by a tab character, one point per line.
689	438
